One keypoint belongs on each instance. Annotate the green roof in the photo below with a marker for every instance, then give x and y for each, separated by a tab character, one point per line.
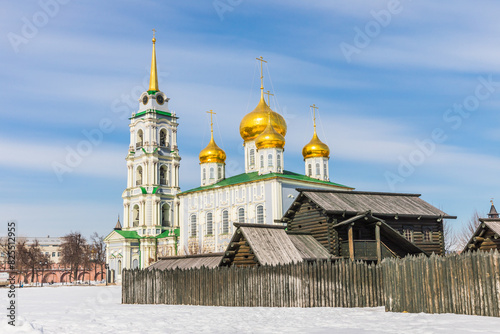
254	176
135	235
159	112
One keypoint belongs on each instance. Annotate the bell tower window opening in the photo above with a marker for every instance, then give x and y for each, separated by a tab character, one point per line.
269	160
138	176
324	169
165	211
210	226
135	216
204	174
309	170
163	138
278	162
219	172
262	161
163	175
212	173
317	169
225	222
140	139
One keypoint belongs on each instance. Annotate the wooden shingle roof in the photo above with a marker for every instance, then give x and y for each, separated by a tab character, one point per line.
210	260
379	204
270	244
308	247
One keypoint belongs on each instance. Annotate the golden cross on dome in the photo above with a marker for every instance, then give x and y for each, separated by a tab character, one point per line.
314	114
211	123
261	59
268	95
154	33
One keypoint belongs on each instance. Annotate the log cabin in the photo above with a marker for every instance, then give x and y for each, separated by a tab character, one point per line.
368	226
264	244
487	235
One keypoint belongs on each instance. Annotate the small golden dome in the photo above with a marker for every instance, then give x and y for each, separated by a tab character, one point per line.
316	148
255	122
212	153
269	138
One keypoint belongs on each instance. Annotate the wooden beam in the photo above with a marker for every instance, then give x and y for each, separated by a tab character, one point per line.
377	238
351	242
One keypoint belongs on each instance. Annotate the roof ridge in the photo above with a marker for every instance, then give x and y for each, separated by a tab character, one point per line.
355	192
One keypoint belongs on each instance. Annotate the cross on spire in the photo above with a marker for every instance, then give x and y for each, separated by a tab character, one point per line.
211	122
314	114
268	97
154	33
261	59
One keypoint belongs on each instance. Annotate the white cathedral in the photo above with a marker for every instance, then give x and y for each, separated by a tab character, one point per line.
161	220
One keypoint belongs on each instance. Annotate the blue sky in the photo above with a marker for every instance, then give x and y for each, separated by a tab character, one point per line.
407	91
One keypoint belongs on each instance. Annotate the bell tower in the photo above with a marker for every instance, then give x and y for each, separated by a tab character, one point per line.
153	160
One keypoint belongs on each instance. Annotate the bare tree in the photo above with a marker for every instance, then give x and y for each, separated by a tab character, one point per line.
468	229
450	238
98	250
74	252
30	257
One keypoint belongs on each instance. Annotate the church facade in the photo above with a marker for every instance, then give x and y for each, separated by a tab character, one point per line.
160	220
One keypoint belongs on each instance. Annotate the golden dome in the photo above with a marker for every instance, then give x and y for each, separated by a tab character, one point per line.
255	122
212	153
269	138
316	148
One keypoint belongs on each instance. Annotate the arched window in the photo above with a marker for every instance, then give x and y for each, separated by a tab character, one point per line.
140	139
210	225
241	215
225	221
252	157
163	175
135	216
324	169
262	161
138	176
204	177
317	169
309	170
135	264
219	172
260	214
193	225
163	137
212	174
120	267
269	160
278	162
165	215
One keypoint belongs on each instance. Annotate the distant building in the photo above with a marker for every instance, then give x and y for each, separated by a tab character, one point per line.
50	246
487	235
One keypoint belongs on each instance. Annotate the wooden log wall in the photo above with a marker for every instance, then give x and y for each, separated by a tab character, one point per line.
319	284
460	284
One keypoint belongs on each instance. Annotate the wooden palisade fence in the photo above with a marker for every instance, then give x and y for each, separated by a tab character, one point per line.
461	284
319	284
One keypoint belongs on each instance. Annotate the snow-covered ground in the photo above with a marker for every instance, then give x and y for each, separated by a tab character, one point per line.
97	309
